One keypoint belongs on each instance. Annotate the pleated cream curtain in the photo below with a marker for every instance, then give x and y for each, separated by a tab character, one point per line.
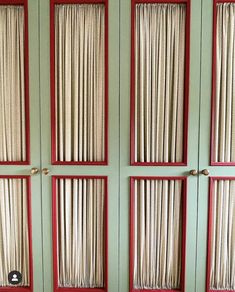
222	269
81	232
158	234
80	82
12	84
159	82
14	237
224	120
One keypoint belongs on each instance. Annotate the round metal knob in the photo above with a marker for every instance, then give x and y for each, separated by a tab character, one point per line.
34	171
45	171
205	172
193	172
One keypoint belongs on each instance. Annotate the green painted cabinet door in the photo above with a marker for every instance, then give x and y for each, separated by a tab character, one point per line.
216	194
20	194
109	171
130	228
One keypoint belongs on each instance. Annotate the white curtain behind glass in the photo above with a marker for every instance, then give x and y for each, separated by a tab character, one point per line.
79	82
158	234
224	120
12	84
14	237
222	269
159	82
80	232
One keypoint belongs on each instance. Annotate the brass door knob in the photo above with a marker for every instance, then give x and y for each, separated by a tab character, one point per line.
205	172
193	172
45	171
34	171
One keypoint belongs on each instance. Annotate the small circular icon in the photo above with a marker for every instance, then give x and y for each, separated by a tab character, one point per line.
15	277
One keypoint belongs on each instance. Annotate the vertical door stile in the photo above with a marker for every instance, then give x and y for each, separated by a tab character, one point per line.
35	143
204	146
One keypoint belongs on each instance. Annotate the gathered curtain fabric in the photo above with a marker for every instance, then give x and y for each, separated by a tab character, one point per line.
80	82
224	107
81	258
14	234
158	234
159	82
12	84
222	257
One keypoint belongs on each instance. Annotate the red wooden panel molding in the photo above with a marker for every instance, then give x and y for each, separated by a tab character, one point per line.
213	90
209	228
52	80
30	287
132	230
186	84
26	64
54	227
